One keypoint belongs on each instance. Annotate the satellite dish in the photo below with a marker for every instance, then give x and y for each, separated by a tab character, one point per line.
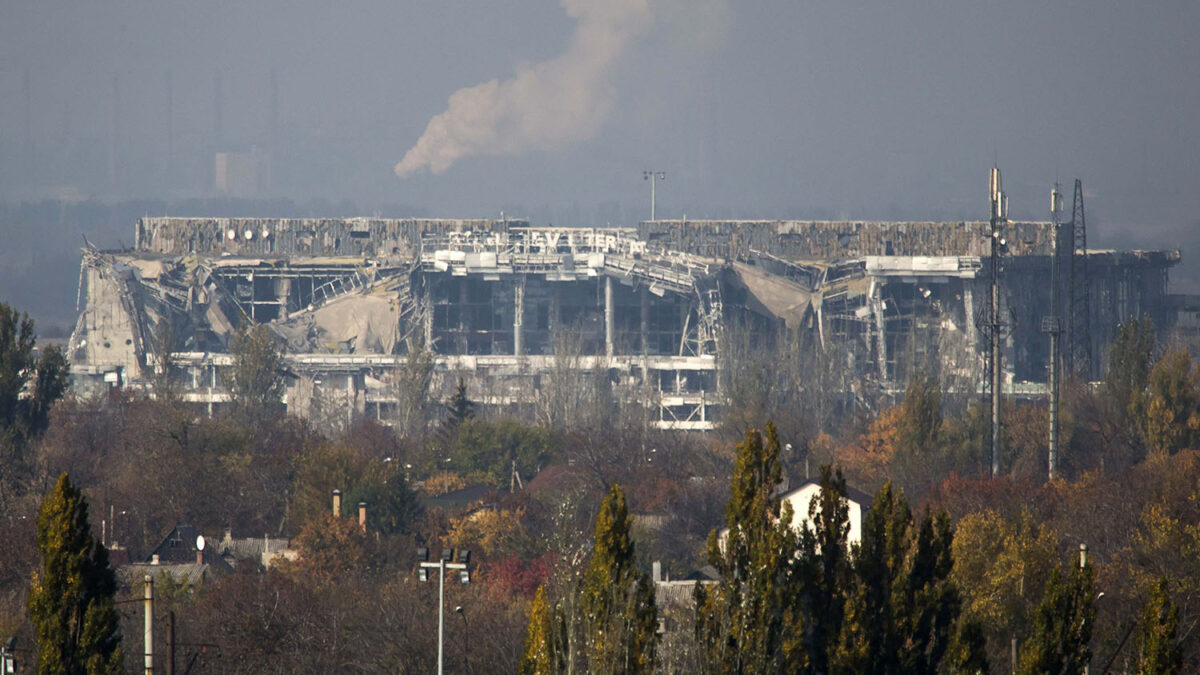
200	542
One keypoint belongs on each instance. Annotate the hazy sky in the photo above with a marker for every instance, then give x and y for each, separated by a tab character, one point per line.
771	108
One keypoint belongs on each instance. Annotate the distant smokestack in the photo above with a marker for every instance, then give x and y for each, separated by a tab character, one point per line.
362	516
337	503
28	91
274	114
170	124
114	132
218	105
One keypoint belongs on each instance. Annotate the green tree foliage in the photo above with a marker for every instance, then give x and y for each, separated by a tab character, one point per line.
46	378
744	621
1062	625
257	386
16	347
1129	362
392	506
1171	405
495	447
71	598
618	599
901	606
1158	648
824	571
460	408
607	619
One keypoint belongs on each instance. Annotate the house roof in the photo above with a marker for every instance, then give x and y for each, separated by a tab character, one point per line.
863	499
179	546
188	573
459	498
251	548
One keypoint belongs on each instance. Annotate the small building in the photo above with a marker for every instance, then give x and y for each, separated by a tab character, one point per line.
801	499
183	555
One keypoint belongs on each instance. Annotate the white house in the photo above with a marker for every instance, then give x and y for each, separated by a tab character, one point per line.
802	497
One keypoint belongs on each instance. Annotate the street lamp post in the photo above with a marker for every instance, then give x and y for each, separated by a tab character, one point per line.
653	177
443	563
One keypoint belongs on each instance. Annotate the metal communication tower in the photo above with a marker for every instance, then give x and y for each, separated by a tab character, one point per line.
998	221
1078	354
1052	324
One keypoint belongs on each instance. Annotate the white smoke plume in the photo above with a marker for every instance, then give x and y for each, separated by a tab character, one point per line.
544	105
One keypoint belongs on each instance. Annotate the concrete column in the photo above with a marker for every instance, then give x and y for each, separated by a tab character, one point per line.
283	290
518	316
555	312
645	320
427	306
462	316
876	301
609	317
969	315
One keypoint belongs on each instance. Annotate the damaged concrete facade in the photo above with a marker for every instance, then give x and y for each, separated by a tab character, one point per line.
525	314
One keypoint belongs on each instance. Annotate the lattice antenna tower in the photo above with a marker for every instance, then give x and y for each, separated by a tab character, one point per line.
1079	325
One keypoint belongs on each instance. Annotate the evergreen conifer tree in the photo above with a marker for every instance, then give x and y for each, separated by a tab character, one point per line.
1159	652
1062	625
901	606
538	656
824	571
71	598
749	623
618	599
460	408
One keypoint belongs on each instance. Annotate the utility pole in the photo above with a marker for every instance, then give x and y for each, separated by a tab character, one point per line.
653	177
999	212
149	633
1053	325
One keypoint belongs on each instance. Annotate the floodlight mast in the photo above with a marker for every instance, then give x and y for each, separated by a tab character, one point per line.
443	563
653	177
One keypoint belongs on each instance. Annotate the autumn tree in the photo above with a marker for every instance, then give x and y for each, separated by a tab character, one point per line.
1062	625
538	658
71	598
618	599
257	385
330	549
1000	567
411	382
605	617
1171	409
1158	649
1129	362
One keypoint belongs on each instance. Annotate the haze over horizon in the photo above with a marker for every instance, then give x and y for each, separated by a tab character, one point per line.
553	109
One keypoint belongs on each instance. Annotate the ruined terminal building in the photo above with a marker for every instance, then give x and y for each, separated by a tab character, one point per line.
515	309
